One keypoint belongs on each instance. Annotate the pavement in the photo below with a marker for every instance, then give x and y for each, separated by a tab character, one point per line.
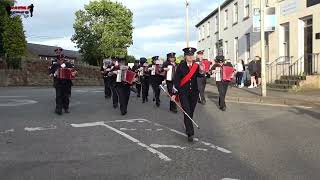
303	98
247	142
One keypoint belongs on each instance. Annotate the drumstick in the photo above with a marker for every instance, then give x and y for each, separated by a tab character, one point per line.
180	108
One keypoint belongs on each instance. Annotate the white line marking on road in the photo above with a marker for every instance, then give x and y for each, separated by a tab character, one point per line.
128	120
125	129
196	139
201	149
148	129
17	102
87	124
97	91
7	131
154	151
268	104
30	129
229	179
159	129
167	146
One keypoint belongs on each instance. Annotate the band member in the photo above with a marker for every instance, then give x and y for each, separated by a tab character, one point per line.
114	67
202	81
156	78
144	79
185	83
123	88
105	69
170	67
136	68
222	73
61	85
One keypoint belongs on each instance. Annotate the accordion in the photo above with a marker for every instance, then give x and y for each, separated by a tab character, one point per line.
66	73
206	63
227	73
169	76
125	75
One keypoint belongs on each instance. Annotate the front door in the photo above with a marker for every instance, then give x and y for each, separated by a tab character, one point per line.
308	65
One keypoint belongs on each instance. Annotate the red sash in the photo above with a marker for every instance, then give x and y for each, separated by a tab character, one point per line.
189	75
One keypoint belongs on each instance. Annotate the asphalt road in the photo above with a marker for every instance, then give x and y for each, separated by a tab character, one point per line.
94	142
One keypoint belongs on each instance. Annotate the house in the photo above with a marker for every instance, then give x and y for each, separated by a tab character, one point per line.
47	53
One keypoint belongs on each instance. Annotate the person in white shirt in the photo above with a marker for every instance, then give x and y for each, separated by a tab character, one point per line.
240	69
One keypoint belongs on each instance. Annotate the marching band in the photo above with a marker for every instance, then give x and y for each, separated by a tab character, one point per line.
185	82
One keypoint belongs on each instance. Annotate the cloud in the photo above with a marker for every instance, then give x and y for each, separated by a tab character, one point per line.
159	24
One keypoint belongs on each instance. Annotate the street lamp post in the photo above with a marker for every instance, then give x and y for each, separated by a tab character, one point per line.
262	44
187	23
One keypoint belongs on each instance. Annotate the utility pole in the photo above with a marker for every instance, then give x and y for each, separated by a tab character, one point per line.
262	44
187	23
219	19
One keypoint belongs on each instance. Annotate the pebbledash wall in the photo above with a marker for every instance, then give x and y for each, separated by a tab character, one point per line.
35	73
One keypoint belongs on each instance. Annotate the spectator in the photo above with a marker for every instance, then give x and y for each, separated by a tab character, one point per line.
255	71
239	76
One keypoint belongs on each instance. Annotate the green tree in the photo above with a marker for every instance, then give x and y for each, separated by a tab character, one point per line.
103	30
130	59
12	38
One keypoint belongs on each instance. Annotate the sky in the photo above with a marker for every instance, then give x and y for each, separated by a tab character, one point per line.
159	25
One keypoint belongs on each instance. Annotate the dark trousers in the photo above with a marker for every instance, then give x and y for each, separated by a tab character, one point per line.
222	88
188	103
145	87
138	87
239	78
107	87
124	95
62	97
202	82
173	106
156	90
115	99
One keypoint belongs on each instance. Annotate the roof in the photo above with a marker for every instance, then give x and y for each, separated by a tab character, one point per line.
214	12
44	50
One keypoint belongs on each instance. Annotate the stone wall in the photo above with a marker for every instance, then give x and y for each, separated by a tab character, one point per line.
35	73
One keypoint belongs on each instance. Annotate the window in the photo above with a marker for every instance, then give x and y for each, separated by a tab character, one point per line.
208	29
236	49
217	23
215	51
208	53
203	32
248	45
226	50
246	9
235	13
226	18
199	33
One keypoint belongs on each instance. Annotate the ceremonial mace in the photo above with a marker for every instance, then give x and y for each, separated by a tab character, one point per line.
180	107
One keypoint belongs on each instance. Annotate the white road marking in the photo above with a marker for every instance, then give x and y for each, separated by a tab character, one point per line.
268	104
97	91
159	129
195	139
7	131
128	120
201	149
125	129
148	129
17	102
229	179
166	146
30	129
154	151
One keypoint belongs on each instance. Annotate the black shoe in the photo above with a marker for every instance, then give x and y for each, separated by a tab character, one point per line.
123	113
138	95
223	108
153	99
158	104
190	138
59	112
143	101
147	100
203	102
67	111
115	106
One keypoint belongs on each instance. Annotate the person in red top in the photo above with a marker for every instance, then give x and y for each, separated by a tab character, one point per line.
186	86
